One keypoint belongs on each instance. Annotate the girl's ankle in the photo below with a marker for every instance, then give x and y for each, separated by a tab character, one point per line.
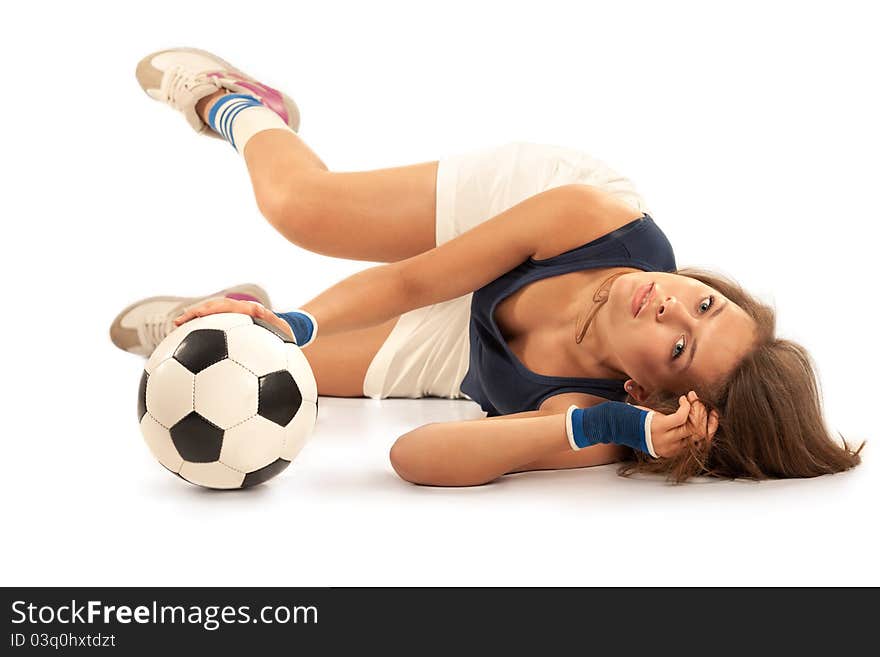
203	107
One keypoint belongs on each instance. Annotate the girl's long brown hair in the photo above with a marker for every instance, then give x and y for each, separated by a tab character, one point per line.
771	420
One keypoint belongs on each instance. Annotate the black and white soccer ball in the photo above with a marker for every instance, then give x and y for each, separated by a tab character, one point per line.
227	401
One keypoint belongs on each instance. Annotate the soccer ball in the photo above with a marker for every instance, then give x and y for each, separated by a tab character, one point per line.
227	401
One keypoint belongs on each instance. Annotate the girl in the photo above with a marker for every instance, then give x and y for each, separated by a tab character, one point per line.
530	279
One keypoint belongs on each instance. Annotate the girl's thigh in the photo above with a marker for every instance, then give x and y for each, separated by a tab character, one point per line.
340	361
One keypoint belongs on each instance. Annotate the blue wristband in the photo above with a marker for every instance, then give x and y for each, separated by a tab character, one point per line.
303	325
610	422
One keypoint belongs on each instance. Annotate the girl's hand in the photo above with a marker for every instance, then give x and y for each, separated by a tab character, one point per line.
669	432
697	419
252	308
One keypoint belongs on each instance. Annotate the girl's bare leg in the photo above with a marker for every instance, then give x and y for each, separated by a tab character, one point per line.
384	215
340	361
380	216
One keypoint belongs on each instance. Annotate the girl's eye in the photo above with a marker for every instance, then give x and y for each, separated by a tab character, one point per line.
705	305
678	349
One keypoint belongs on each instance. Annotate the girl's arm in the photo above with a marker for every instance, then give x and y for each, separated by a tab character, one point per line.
478	451
557	218
366	298
554	219
475	452
451	270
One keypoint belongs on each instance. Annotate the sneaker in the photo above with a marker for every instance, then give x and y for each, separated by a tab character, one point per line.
144	324
181	77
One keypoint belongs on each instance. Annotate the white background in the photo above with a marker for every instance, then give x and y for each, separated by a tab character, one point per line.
750	129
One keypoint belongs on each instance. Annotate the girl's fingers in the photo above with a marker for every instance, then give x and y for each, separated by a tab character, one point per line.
684	410
703	424
673	428
679	434
698	418
692	421
253	308
192	313
675	441
677	420
713	423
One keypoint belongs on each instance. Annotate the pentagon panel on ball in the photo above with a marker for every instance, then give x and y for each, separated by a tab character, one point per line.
227	401
264	474
168	346
280	397
197	440
201	349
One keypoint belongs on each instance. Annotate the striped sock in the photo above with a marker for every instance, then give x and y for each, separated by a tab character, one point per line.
238	117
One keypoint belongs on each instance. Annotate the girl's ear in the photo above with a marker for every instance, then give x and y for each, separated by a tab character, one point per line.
635	391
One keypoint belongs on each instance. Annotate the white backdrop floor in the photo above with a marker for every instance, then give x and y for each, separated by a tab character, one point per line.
102	512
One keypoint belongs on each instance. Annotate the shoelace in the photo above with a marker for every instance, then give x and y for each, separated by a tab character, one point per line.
154	329
178	83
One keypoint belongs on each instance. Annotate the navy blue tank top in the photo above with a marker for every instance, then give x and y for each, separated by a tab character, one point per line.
496	379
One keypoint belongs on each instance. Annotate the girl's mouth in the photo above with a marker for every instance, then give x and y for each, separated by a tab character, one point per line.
641	297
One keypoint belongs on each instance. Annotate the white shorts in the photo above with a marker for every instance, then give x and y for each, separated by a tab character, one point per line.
426	353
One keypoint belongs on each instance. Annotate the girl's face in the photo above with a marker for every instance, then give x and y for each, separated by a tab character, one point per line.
685	334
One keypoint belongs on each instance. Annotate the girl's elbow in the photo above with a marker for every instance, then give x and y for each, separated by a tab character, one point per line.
401	460
413	463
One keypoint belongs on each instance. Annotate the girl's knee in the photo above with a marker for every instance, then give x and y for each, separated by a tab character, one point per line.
290	208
